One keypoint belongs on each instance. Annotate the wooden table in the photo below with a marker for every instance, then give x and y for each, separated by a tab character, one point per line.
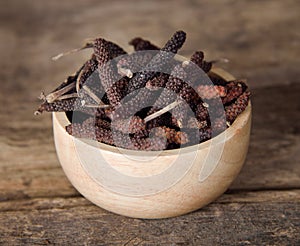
260	38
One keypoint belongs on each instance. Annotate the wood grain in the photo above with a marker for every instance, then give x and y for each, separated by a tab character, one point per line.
219	223
38	204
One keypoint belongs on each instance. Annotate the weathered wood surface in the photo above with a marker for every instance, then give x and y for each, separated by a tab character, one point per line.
37	203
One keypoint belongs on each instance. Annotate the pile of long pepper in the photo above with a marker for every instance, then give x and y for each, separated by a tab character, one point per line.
99	91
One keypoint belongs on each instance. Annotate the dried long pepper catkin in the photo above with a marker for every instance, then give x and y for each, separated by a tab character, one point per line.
219	125
190	103
102	52
91	129
233	110
177	85
162	120
88	69
93	122
133	63
201	112
133	103
115	138
180	113
163	59
157	62
176	79
90	132
197	136
131	125
205	134
103	123
142	44
154	143
91	65
157	82
190	96
93	84
175	42
192	122
172	135
211	91
180	109
114	86
234	90
198	59
58	106
214	107
72	104
172	88
117	91
216	80
196	69
115	50
176	89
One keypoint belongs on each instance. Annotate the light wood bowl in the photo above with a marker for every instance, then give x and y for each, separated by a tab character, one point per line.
201	173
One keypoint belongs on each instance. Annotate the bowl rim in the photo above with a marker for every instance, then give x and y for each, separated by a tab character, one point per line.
61	119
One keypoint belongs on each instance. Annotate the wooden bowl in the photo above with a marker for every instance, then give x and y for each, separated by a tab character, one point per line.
154	184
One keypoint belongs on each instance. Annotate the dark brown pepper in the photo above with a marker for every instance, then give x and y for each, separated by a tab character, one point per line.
113	86
197	136
233	110
117	91
131	125
133	104
115	50
115	138
186	115
157	82
172	88
198	59
234	90
157	62
142	44
172	135
134	62
210	91
88	68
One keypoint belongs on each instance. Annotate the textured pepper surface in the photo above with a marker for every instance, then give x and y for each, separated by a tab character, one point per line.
158	61
210	91
234	90
114	87
198	59
134	103
115	138
115	50
89	67
142	44
137	85
172	135
131	125
233	110
136	61
72	104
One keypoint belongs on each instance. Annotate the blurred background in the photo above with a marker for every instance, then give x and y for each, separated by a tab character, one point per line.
260	38
261	41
